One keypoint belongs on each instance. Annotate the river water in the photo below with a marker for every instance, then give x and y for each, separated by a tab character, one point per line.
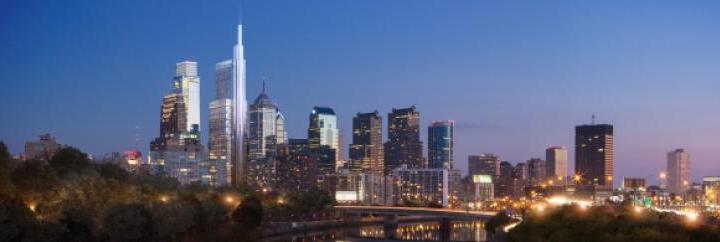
406	231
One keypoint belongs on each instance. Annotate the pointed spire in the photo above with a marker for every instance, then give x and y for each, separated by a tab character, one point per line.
263	86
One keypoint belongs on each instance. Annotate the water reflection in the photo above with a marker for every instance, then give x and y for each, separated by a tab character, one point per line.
415	231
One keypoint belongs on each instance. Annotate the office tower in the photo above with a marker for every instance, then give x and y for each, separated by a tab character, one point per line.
178	152
421	185
173	120
594	154
224	79
43	149
556	158
520	179
221	121
678	170
504	183
536	171
323	137
484	164
440	144
238	154
266	130
187	84
296	167
366	151
403	146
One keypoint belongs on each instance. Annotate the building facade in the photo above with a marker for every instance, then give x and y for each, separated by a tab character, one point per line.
221	121
484	164
266	130
178	152
594	154
403	146
536	171
440	144
296	167
238	153
421	185
367	151
187	84
556	159
678	171
323	137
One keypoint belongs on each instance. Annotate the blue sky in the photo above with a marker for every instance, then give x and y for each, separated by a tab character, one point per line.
517	76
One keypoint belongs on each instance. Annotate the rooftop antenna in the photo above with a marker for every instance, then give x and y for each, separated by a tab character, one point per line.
593	119
263	85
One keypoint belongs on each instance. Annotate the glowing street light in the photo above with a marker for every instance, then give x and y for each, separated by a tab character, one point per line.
32	206
692	216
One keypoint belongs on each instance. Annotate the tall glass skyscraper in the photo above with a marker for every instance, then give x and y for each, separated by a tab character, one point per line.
239	154
187	83
323	135
594	154
266	130
220	125
366	151
440	144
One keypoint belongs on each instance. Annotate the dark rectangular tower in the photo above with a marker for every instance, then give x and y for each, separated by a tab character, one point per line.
594	154
403	146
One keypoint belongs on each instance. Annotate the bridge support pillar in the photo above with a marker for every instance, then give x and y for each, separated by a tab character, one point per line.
445	229
390	226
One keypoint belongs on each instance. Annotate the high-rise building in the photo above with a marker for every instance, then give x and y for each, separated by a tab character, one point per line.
178	151
520	179
266	130
366	151
594	154
556	158
221	121
224	79
678	170
536	171
323	137
484	164
504	183
239	154
403	146
187	84
173	120
43	149
440	144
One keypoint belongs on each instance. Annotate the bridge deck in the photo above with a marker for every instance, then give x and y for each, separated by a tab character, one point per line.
438	212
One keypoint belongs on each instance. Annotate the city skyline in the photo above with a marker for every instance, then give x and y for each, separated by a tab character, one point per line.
477	128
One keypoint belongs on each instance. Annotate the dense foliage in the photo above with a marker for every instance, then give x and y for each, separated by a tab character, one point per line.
610	224
70	198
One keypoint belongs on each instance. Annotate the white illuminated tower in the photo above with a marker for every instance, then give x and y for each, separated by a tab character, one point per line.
239	112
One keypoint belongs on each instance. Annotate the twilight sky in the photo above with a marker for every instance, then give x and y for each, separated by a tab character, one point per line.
516	76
